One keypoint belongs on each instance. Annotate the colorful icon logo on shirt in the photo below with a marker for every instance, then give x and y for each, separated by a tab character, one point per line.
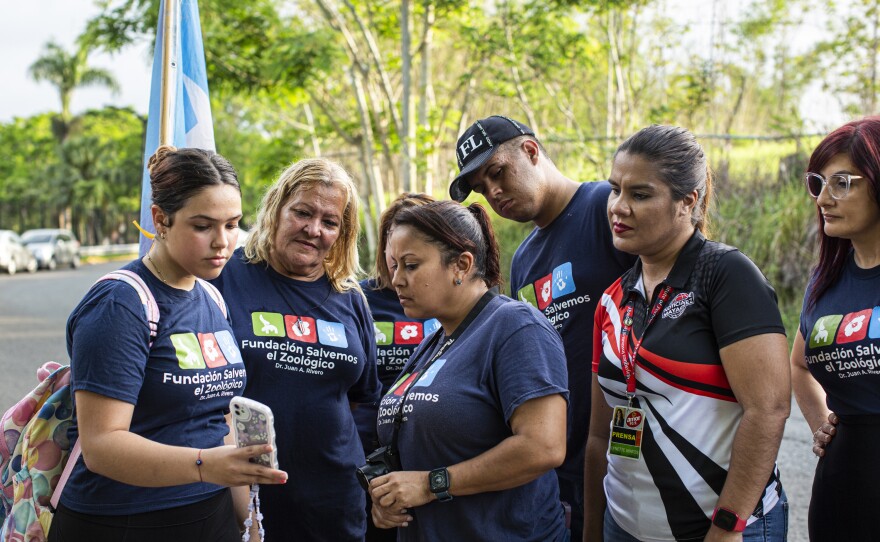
557	284
384	332
408	332
854	327
544	291
268	324
431	326
402	383
332	334
874	328
824	330
526	294
188	350
563	281
211	351
300	328
228	346
430	373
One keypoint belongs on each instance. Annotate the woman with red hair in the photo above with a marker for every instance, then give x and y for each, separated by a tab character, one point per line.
835	368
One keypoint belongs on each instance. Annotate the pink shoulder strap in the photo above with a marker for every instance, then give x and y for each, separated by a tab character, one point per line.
215	295
151	308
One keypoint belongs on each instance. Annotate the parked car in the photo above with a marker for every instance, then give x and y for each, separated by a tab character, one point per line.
52	247
13	254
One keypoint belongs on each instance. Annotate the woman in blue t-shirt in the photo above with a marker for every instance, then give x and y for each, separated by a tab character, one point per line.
397	336
153	463
478	416
306	336
834	359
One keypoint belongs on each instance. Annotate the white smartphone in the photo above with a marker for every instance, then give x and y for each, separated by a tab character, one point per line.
253	423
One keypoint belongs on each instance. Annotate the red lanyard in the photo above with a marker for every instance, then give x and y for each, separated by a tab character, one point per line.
627	357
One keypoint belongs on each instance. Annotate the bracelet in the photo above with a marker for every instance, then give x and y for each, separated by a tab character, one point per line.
199	465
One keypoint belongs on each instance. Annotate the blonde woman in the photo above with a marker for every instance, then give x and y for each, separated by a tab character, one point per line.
306	337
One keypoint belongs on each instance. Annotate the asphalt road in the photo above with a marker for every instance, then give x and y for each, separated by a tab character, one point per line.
34	310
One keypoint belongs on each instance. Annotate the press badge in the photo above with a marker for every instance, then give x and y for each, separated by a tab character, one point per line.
627	425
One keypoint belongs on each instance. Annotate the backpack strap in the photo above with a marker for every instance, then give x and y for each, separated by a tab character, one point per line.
215	295
151	308
65	474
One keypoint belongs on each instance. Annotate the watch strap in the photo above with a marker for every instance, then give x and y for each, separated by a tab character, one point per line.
728	520
438	483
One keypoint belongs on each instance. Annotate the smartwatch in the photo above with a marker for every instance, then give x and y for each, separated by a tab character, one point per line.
438	481
728	520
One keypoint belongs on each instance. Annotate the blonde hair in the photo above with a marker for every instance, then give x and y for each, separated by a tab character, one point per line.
341	263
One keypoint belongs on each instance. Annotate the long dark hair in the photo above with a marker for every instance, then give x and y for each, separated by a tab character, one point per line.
859	140
456	229
680	163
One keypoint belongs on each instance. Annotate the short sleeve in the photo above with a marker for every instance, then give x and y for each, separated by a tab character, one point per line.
529	364
109	344
742	302
368	388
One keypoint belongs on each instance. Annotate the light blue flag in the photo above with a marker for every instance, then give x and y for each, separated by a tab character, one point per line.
193	125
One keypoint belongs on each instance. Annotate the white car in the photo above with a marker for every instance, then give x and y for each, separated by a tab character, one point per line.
52	247
13	254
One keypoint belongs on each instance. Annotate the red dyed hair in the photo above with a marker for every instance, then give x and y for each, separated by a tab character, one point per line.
860	141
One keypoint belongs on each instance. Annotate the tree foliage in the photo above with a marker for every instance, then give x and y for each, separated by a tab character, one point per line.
385	90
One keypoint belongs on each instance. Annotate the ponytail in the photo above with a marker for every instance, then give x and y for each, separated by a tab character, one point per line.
702	219
492	258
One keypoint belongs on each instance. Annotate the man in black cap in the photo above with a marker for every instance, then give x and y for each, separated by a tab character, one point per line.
563	266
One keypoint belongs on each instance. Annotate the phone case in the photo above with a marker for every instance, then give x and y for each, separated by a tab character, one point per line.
253	423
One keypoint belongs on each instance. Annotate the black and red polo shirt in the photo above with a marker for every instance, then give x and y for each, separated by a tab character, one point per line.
719	297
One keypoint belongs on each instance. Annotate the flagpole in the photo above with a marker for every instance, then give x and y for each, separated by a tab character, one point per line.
170	69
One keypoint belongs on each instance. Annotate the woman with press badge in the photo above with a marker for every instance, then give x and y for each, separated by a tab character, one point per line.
477	420
690	354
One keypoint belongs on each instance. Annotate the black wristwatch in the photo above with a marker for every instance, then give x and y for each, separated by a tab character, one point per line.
438	481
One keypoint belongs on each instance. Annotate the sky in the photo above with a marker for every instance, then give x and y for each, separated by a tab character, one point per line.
26	26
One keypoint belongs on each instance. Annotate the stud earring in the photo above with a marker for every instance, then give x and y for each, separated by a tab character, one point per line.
458	282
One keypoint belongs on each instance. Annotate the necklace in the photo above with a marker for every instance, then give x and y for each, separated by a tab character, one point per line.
300	325
156	267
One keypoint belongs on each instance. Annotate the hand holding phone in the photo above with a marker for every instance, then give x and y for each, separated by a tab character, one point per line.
252	424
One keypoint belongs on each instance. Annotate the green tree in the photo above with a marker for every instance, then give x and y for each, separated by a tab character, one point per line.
850	58
68	72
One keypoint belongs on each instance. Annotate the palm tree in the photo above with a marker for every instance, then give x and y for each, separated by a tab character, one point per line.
67	72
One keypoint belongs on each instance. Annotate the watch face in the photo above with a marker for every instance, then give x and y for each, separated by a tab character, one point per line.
724	519
438	480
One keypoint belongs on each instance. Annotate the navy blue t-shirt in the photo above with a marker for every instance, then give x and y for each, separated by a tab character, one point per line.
397	337
309	352
181	387
842	340
461	407
562	269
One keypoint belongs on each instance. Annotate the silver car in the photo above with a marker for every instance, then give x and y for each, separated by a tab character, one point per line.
13	254
52	247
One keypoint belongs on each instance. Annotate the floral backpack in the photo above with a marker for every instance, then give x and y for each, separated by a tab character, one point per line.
35	453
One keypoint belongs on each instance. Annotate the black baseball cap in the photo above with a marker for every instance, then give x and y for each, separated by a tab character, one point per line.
477	144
